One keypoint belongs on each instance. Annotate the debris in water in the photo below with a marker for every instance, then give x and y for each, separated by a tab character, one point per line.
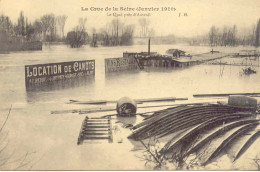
248	71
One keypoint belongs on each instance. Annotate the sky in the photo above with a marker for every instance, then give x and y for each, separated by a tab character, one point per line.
201	14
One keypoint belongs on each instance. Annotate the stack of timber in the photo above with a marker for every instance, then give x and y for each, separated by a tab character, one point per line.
183	117
95	129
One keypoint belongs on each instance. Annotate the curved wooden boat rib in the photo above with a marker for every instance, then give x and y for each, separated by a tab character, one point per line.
218	132
248	143
161	116
157	121
211	122
204	118
172	118
198	113
186	121
169	114
181	124
180	119
229	140
164	126
183	110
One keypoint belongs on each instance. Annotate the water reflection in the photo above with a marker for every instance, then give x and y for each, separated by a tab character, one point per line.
163	69
33	90
127	121
120	74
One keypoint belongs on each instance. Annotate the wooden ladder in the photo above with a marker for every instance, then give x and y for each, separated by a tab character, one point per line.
95	129
138	63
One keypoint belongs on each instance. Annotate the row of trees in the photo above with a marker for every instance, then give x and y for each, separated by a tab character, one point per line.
116	33
229	36
225	37
145	30
52	27
47	28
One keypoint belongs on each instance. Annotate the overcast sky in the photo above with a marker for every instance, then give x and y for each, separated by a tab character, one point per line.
202	14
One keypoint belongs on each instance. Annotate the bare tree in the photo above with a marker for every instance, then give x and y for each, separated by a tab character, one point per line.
13	160
37	27
77	37
48	24
257	34
61	21
144	23
213	36
127	35
117	25
21	24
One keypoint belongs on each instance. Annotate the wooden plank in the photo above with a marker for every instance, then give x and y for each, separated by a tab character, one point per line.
91	102
229	140
95	130
98	124
97	110
160	99
247	144
97	120
138	101
95	126
224	95
93	118
218	132
94	138
87	133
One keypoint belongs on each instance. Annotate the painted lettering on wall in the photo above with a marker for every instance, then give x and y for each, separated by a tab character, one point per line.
120	64
58	71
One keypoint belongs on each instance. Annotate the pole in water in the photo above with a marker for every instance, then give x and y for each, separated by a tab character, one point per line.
149	46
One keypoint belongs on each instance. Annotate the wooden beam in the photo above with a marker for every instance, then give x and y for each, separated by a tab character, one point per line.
138	101
224	95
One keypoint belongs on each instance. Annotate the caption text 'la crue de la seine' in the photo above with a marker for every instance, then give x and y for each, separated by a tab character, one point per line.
131	12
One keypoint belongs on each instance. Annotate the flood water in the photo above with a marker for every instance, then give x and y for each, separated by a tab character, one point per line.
51	138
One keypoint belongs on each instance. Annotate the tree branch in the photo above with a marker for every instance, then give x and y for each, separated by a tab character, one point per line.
6	119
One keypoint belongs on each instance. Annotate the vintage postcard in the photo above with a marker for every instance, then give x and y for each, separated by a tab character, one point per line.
129	84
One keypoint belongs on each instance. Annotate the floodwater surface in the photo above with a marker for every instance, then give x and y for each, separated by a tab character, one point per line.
49	141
